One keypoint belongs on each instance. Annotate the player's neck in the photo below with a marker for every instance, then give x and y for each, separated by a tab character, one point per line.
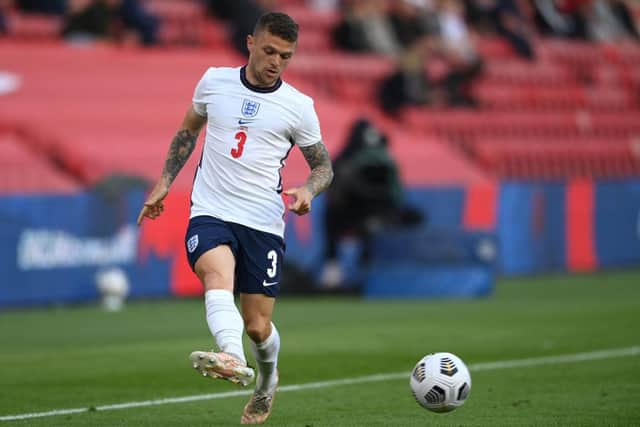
251	82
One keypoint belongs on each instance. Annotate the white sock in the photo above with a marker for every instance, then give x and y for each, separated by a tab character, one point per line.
225	322
266	354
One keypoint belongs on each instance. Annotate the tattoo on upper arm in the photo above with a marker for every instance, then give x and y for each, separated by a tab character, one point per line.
180	149
319	161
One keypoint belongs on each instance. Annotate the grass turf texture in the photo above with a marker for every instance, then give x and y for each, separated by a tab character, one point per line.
82	357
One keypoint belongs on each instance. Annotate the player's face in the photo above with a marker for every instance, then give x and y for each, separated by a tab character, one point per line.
269	55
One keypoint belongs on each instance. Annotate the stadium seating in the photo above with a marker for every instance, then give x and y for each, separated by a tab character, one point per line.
559	158
36	28
26	171
573	95
187	23
496	96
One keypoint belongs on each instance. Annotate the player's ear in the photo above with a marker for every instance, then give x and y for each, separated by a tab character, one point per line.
250	42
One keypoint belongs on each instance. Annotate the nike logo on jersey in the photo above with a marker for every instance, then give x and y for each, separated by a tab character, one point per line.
244	122
266	284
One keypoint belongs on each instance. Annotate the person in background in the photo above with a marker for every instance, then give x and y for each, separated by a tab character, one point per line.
562	18
49	7
413	20
610	21
505	18
366	197
241	16
4	7
622	10
323	5
104	19
366	28
457	48
409	84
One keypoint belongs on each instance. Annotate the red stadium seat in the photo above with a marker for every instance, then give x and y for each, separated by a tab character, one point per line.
34	27
539	98
523	72
557	158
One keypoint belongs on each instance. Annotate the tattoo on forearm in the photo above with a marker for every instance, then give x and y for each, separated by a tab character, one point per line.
180	149
319	161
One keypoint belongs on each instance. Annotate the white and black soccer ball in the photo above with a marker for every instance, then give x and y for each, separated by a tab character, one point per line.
440	382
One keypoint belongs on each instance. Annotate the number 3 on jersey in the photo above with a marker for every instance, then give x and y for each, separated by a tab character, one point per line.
241	137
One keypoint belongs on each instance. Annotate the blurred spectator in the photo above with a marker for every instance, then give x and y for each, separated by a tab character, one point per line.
104	19
51	7
413	20
137	18
4	6
323	5
505	18
242	16
457	48
562	18
602	20
365	27
89	20
624	14
366	196
610	20
409	84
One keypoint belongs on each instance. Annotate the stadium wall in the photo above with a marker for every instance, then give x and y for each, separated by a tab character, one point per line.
575	226
53	246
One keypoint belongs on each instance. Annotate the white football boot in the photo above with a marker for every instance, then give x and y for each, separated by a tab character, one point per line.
222	365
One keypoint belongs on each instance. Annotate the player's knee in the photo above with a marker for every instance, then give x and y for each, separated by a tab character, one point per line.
215	280
258	329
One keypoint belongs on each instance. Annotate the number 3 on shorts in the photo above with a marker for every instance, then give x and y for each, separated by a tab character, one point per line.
273	257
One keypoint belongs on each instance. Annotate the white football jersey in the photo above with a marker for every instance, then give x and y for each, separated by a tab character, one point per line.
250	132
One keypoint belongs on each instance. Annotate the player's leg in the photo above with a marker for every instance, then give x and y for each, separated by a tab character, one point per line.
210	249
260	259
215	269
265	344
265	339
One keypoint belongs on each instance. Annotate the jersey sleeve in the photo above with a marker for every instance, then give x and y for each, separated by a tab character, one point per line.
308	131
200	93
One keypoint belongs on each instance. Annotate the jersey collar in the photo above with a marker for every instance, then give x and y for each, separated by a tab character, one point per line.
248	85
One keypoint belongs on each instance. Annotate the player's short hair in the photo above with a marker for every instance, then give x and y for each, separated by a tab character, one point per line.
278	24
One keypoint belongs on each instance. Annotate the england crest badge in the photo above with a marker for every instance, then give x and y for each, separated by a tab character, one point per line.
192	243
250	108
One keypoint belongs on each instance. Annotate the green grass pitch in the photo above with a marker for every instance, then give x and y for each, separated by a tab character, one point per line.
82	357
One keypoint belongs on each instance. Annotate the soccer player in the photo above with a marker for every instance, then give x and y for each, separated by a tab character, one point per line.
235	233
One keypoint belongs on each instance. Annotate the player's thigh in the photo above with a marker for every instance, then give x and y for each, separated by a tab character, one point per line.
211	250
259	261
216	268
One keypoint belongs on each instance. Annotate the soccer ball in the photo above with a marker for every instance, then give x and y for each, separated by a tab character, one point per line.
440	382
113	286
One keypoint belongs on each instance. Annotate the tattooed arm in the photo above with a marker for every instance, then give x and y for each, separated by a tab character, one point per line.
319	161
181	147
321	175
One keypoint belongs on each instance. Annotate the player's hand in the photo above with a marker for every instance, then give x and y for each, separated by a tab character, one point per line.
154	205
301	200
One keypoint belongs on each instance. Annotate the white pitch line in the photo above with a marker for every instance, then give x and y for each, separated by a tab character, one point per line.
504	364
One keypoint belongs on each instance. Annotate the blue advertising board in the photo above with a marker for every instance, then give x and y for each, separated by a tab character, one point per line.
53	247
